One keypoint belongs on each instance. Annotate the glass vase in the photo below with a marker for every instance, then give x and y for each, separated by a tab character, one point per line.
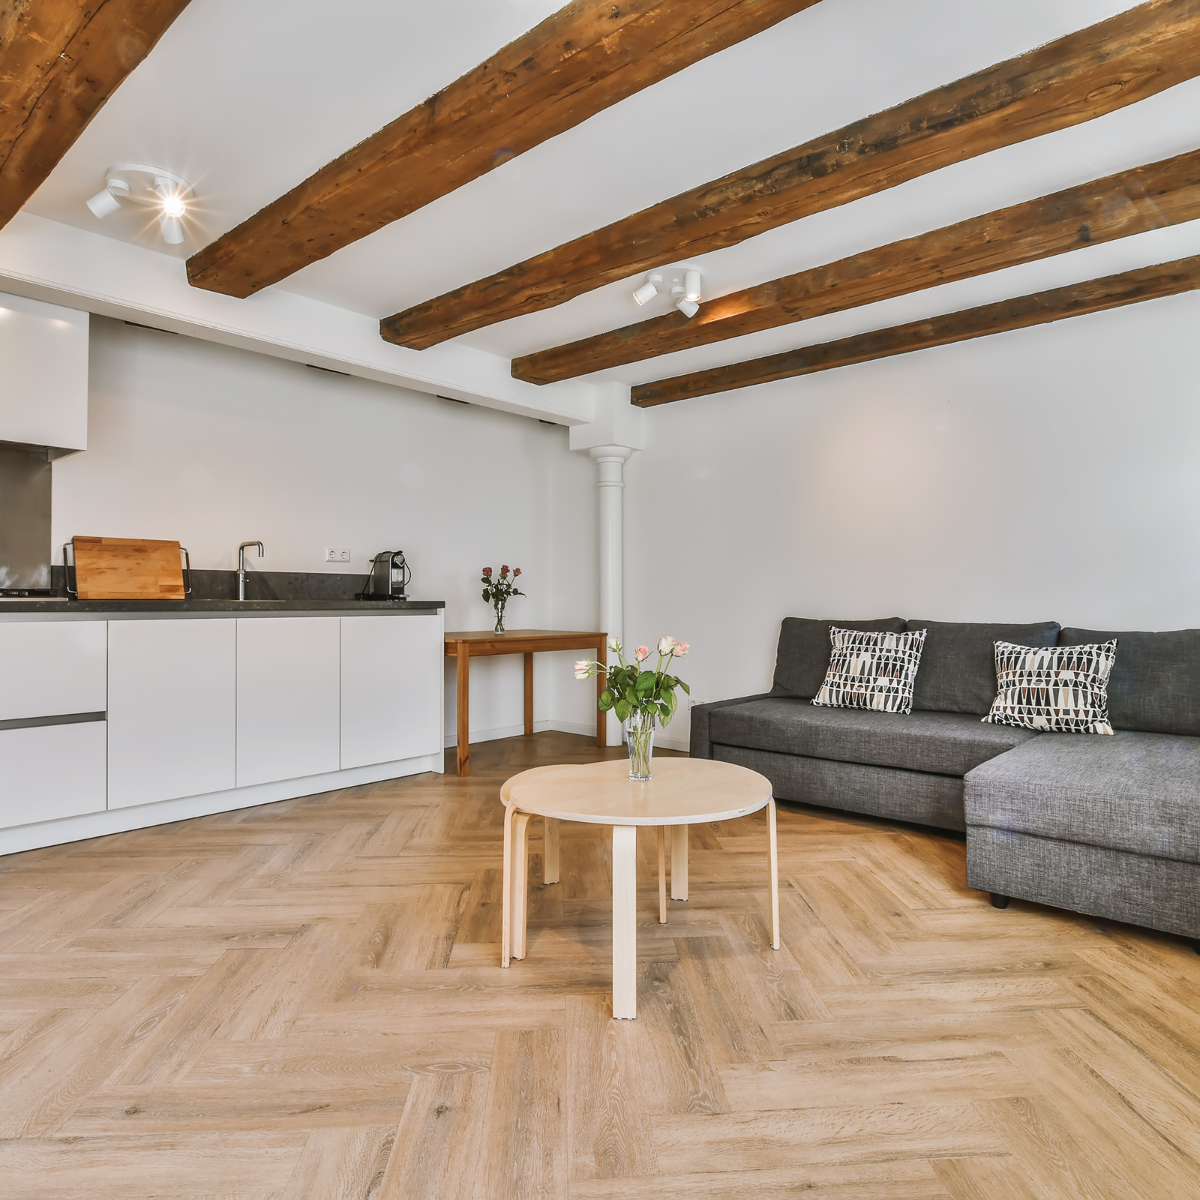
499	616
639	733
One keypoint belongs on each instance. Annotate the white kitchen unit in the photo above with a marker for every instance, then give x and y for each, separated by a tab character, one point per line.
390	669
288	697
44	383
172	709
118	719
50	669
51	772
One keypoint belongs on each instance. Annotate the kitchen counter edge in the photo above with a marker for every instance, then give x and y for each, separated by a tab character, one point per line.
201	608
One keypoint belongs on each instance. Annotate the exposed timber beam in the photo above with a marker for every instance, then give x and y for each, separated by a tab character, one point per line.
60	60
1096	295
1151	197
1074	79
577	62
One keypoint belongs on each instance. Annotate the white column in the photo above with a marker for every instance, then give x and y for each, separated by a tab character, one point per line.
610	468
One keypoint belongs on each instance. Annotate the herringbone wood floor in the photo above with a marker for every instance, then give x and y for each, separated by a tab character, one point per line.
304	1001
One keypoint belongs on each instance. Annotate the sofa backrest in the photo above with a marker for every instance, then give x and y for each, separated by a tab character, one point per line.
957	672
1155	682
804	650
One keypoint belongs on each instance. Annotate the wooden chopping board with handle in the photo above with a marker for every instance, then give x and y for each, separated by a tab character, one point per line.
127	569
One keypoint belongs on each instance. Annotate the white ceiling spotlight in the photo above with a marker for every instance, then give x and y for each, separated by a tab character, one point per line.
150	187
649	289
683	282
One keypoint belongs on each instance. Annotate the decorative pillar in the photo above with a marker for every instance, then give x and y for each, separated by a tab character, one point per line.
610	478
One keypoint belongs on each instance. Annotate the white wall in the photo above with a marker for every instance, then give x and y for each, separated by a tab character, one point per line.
1051	473
213	446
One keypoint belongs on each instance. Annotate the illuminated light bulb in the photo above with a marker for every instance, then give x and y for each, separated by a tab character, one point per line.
173	206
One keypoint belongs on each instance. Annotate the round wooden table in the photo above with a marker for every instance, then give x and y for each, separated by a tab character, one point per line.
683	792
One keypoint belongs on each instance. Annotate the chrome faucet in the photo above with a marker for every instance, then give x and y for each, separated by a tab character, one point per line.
242	565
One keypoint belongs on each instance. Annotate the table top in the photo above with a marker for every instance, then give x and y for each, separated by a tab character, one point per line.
516	641
684	791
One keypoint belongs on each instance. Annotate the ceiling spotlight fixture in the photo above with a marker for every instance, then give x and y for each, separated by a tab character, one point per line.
148	186
691	286
649	289
689	308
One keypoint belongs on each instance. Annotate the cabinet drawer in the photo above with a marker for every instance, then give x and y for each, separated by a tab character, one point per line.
50	668
52	771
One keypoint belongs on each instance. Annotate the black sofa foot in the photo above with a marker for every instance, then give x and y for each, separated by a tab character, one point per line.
999	901
1195	945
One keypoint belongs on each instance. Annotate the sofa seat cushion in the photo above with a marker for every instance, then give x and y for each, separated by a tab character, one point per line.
936	743
1137	792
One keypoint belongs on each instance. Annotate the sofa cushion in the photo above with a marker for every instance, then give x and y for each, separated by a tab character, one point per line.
1055	689
1155	682
871	670
804	648
1137	792
936	743
958	664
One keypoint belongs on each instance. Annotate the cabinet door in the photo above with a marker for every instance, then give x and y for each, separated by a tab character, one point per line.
172	709
52	668
50	772
288	703
391	688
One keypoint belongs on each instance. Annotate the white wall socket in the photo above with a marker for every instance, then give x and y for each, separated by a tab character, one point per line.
338	554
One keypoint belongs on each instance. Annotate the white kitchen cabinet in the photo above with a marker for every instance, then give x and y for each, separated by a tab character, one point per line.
391	688
53	668
51	771
44	383
172	709
288	697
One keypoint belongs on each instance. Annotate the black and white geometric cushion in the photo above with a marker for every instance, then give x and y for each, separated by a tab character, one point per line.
871	670
1058	689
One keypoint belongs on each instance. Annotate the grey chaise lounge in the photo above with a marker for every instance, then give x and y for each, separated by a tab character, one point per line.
1108	826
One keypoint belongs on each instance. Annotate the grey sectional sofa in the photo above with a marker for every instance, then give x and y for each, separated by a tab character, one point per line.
1108	826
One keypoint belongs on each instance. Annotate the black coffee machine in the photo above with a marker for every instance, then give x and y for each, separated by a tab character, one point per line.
390	576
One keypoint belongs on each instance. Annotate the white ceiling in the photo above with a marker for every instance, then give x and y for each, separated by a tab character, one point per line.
247	97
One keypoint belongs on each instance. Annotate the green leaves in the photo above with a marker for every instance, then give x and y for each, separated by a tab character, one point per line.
645	683
607	700
630	689
624	708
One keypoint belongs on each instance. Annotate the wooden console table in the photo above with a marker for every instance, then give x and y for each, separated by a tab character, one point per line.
466	646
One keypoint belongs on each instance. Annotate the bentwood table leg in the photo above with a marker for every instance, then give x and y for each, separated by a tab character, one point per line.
662	875
624	911
464	708
506	891
551	872
679	862
774	842
519	888
529	695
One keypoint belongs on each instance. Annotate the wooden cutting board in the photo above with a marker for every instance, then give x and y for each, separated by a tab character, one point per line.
127	569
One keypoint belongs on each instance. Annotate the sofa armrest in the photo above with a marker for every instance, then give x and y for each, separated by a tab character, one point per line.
700	745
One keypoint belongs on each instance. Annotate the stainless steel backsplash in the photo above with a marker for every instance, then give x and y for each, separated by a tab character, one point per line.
25	487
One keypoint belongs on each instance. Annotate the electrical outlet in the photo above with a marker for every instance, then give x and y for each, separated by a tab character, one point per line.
337	554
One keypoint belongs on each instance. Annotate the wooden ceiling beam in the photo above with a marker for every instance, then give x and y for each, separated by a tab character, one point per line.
1150	197
1096	295
1133	55
60	60
576	63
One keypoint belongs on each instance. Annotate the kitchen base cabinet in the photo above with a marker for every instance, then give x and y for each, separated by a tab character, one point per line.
51	668
52	771
172	709
391	688
288	697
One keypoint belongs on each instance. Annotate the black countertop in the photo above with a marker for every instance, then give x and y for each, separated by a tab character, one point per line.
202	607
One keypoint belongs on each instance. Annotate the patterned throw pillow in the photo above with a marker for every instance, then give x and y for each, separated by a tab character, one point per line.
1059	689
871	670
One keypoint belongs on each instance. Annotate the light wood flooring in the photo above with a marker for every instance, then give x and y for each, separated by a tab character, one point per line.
304	1000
